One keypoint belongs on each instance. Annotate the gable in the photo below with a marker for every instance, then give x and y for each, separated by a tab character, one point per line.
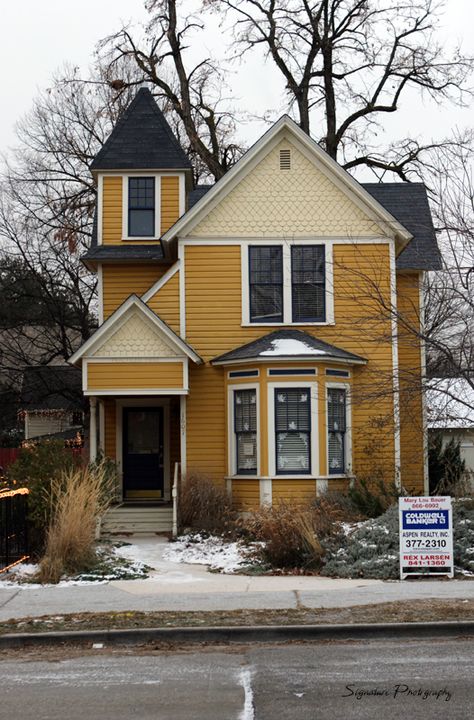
301	201
136	338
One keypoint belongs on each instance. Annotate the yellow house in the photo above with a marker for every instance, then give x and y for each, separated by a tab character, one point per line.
263	331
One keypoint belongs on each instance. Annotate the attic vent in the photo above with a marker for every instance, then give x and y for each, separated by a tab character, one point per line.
285	159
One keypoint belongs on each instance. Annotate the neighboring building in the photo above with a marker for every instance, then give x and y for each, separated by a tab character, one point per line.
247	330
50	402
450	410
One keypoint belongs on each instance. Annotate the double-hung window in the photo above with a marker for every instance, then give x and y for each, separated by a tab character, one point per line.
293	430
337	426
266	284
245	430
141	207
308	283
287	284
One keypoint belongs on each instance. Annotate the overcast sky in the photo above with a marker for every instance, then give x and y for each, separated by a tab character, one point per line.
38	36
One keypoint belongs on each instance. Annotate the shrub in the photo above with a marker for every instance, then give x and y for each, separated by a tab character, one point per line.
203	505
288	537
78	499
331	510
372	497
446	467
37	468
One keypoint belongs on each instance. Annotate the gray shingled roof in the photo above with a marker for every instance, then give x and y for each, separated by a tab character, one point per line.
123	252
408	203
294	344
141	139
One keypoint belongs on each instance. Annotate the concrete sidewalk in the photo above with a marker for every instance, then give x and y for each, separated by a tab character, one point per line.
173	586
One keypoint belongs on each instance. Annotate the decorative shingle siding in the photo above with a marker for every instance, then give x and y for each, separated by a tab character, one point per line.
299	202
136	338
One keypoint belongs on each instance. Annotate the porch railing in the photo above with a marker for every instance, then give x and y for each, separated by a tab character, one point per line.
174	496
13	528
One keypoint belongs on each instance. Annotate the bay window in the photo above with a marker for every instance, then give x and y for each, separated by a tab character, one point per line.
293	430
245	430
337	425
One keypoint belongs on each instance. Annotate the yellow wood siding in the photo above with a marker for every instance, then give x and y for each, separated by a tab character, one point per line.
120	281
409	358
362	285
169	201
165	302
245	494
206	422
130	375
109	428
112	210
296	491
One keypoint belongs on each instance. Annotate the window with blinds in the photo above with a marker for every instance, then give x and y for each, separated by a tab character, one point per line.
308	283
336	418
245	429
293	430
266	284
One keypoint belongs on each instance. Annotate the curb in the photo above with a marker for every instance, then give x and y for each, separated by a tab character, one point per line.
242	634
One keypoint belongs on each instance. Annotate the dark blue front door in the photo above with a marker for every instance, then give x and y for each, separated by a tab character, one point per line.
143	475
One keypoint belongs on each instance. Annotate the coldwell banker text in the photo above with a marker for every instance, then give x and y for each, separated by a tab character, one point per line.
399	692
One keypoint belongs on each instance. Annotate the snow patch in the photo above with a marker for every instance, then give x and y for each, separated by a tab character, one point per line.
286	346
196	549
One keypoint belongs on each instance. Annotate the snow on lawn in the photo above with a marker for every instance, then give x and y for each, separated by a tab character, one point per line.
196	549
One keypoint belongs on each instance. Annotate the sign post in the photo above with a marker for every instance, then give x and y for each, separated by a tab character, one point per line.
426	536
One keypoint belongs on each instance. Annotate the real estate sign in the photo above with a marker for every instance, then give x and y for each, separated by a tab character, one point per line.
426	536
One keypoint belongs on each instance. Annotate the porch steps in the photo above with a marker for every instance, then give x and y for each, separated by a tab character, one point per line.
141	519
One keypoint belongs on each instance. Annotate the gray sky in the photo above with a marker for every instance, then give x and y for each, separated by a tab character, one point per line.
38	36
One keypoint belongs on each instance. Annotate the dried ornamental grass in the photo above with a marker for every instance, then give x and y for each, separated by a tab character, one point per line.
203	505
288	537
78	499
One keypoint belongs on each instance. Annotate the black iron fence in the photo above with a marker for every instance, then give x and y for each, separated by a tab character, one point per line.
13	527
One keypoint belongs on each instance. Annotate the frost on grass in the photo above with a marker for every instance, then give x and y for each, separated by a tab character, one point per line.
371	549
201	549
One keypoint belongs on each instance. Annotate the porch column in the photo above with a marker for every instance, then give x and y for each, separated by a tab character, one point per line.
93	428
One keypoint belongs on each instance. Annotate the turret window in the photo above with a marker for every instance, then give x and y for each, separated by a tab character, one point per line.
141	207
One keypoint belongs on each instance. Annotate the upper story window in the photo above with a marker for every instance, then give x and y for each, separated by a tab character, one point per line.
141	207
287	284
266	284
308	283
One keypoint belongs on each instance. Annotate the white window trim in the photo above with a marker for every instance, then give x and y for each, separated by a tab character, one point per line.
286	246
125	233
231	445
348	434
314	433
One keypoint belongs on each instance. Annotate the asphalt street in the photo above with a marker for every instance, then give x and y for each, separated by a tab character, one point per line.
321	681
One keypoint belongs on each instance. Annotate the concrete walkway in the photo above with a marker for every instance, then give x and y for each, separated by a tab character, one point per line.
173	586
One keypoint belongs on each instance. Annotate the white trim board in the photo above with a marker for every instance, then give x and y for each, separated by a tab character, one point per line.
162	281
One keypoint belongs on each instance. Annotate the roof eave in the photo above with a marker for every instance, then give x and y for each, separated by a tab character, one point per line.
291	358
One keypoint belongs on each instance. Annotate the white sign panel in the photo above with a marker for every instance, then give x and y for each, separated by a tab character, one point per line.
426	536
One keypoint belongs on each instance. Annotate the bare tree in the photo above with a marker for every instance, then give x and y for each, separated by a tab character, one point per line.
192	94
349	64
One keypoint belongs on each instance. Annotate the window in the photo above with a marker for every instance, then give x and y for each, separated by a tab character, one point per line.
287	284
336	431
293	430
266	284
308	283
245	429
141	207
